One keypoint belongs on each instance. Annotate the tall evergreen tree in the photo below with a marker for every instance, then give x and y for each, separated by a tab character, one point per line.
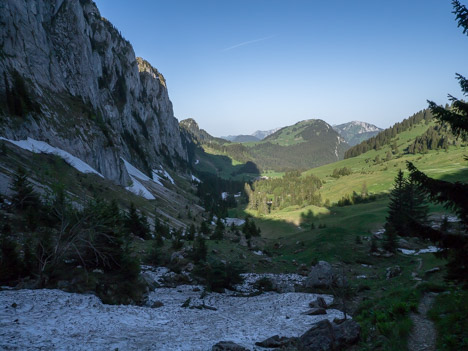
25	196
407	204
453	196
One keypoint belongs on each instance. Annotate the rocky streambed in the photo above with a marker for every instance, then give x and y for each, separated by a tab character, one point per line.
175	318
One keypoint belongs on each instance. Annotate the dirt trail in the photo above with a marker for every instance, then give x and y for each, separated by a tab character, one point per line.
423	334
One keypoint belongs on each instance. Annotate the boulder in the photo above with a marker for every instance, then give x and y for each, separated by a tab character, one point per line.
346	333
405	244
177	256
320	276
318	303
228	346
157	304
315	312
326	336
393	272
318	338
276	341
303	270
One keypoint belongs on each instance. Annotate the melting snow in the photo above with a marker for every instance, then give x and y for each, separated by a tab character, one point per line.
53	319
236	221
195	179
164	173
137	187
430	249
37	147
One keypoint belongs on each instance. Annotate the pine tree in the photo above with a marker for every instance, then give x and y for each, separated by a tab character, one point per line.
219	230
452	195
200	249
25	196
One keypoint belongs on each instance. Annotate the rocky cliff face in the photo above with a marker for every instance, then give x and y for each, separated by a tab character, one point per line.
69	78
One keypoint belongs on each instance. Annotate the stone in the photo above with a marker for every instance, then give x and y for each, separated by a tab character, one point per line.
318	338
346	333
303	270
177	256
393	272
320	275
276	341
228	346
157	304
315	312
318	303
327	336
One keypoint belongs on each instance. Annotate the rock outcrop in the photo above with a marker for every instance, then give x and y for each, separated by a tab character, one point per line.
69	78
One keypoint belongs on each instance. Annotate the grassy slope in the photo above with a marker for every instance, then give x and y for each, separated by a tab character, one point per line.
379	176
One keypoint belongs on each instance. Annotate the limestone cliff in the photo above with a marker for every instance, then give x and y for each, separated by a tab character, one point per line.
68	77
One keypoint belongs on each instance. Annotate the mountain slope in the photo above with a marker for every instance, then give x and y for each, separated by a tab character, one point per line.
241	138
304	145
355	132
77	85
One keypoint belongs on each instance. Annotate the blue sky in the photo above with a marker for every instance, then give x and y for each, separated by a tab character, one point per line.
239	66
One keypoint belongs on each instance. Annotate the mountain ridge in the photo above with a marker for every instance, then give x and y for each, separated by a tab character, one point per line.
355	132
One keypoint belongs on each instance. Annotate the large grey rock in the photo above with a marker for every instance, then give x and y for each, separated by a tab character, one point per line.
320	276
318	338
276	341
326	336
228	346
98	101
318	303
346	333
392	272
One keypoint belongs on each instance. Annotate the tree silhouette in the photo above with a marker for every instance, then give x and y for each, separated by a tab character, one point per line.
453	196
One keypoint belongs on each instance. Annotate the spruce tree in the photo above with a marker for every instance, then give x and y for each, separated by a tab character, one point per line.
25	196
452	195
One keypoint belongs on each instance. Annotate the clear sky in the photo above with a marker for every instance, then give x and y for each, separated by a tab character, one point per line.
237	66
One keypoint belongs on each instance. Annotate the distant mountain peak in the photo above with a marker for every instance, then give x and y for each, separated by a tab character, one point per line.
355	132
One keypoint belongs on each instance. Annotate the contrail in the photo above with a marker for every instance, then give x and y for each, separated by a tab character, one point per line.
247	43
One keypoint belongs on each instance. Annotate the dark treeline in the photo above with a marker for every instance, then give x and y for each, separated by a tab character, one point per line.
209	191
437	137
292	189
386	137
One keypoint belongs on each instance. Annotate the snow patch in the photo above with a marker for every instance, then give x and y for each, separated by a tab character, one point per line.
224	195
430	249
164	174
53	319
195	179
38	147
136	187
236	221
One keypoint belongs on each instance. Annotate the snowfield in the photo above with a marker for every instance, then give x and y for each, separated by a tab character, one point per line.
56	320
37	147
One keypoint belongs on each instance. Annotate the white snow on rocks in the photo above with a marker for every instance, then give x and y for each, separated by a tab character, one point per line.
37	147
164	173
195	179
430	249
236	221
291	279
56	320
137	187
